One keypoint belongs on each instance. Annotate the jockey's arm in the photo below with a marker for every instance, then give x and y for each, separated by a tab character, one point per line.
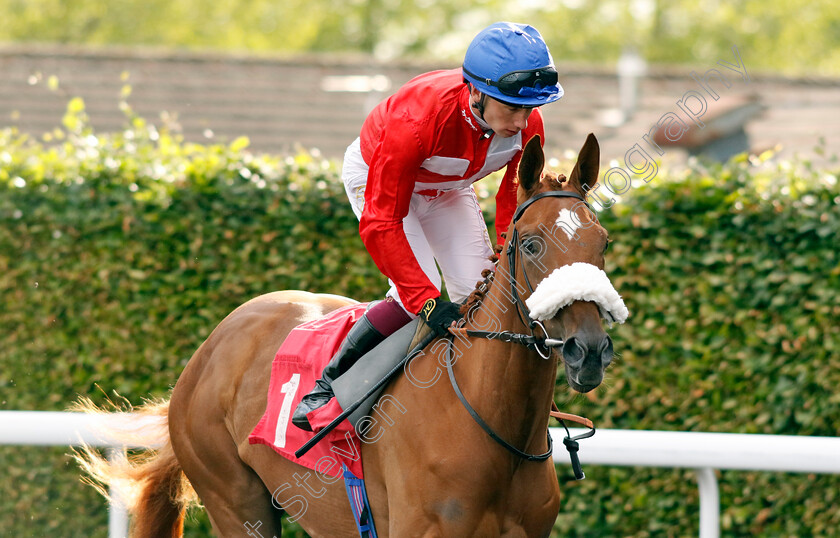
393	169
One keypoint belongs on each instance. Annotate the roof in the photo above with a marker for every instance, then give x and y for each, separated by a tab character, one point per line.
321	101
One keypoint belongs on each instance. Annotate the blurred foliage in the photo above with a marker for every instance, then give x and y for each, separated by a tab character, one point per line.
119	253
800	36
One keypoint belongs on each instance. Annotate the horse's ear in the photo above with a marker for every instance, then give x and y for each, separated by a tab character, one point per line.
531	165
585	174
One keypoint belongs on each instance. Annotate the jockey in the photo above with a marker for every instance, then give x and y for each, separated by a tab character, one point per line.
409	179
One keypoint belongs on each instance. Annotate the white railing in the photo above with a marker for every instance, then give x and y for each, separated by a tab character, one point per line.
705	452
55	428
702	452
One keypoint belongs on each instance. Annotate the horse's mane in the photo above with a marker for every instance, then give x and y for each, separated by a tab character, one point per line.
482	287
553	182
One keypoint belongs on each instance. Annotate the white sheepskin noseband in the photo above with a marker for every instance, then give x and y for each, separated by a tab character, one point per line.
576	282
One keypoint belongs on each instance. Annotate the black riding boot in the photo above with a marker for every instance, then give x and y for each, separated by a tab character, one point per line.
362	337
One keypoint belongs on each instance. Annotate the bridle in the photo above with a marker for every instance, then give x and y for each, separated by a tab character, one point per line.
541	345
514	247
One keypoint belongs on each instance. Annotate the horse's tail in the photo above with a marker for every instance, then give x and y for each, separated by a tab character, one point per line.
150	484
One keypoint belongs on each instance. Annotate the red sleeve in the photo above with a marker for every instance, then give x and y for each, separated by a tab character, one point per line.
506	197
393	165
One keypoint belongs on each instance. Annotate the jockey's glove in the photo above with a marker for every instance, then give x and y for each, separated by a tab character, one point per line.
439	315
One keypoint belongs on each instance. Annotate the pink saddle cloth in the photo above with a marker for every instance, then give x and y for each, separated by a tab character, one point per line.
297	364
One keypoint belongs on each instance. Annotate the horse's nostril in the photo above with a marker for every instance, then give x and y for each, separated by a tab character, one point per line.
574	351
606	350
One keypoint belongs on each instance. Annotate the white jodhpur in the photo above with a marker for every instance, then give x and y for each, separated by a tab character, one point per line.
577	282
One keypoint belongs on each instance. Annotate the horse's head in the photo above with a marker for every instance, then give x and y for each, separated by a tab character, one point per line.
557	244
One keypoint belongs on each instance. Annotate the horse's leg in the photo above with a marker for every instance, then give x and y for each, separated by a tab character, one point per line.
319	504
236	500
534	500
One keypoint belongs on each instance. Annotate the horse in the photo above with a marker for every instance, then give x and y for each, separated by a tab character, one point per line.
432	470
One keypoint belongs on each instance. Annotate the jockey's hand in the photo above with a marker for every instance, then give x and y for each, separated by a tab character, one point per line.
439	315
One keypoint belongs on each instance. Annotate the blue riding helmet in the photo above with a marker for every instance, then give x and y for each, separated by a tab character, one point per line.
510	62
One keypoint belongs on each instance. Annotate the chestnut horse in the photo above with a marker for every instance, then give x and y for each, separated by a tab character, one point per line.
432	471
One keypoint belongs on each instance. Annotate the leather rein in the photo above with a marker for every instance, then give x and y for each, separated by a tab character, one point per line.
541	345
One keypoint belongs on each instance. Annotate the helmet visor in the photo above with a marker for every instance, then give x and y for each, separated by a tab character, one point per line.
528	83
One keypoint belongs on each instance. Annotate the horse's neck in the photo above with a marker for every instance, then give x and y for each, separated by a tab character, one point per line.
515	382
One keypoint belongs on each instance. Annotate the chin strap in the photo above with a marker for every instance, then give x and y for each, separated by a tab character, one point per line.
479	106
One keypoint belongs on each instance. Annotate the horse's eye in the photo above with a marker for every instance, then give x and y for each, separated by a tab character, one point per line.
607	245
531	246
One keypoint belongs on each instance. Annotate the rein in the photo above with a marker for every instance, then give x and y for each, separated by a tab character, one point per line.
541	345
486	427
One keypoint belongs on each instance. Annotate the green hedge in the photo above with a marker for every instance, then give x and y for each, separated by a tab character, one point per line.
119	253
732	276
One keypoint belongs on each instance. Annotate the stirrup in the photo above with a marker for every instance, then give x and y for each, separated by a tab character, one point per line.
319	397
